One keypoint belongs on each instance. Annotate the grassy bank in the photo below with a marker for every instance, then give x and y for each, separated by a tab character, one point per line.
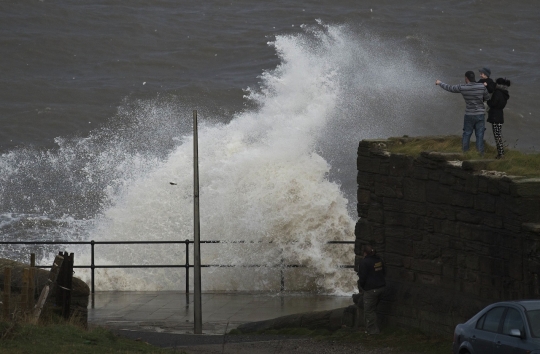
54	335
19	338
400	339
515	163
55	338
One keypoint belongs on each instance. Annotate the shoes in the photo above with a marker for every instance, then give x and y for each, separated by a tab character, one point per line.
499	157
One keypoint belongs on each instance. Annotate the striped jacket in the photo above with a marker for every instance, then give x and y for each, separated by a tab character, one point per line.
474	93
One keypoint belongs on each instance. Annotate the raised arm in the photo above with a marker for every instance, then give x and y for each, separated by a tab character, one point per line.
453	88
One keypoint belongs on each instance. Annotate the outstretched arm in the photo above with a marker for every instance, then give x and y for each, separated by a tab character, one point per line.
454	88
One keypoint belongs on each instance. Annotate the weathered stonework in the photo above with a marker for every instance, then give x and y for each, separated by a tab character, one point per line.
454	236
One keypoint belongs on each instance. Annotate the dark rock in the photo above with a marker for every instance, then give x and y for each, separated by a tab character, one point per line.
80	290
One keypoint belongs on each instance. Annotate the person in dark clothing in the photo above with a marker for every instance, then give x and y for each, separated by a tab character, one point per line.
496	104
485	74
371	274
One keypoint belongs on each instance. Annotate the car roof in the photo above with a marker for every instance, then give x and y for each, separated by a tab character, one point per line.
529	305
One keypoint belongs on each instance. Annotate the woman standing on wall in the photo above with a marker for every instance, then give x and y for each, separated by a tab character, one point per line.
496	104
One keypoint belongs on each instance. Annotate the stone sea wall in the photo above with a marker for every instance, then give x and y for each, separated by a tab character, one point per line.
454	236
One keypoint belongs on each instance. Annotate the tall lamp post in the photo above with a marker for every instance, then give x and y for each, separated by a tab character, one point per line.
196	229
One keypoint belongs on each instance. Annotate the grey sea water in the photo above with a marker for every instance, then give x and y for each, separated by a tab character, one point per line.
96	101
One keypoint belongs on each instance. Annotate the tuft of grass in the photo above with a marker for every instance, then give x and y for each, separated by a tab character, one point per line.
515	163
19	338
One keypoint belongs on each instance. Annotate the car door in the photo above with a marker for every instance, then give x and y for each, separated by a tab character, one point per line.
505	343
482	337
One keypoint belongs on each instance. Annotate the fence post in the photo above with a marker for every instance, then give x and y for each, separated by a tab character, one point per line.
53	274
64	283
31	287
7	292
67	284
32	281
24	290
93	267
187	272
59	293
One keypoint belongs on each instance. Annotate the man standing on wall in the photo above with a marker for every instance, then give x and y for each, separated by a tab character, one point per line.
371	274
475	94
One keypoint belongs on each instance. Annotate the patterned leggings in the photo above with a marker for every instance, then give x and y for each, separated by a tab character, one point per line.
497	128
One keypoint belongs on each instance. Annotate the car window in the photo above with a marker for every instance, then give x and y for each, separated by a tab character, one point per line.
534	322
512	320
491	320
480	322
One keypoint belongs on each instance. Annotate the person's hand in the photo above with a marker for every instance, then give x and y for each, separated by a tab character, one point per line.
485	84
437	82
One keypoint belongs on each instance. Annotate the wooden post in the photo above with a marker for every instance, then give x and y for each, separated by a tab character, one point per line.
59	293
32	281
67	284
7	292
53	274
31	288
24	290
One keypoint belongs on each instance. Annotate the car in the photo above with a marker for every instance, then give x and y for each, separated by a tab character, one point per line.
503	327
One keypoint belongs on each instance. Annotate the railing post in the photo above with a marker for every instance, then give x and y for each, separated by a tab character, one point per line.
92	266
281	268
187	272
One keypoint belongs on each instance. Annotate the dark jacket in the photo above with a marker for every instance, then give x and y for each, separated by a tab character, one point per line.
496	104
371	273
490	84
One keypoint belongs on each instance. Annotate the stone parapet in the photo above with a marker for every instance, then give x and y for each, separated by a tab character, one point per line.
454	236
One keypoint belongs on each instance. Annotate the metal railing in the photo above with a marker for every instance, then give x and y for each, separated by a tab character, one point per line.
186	265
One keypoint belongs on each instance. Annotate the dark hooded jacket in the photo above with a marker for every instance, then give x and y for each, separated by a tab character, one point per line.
490	84
496	104
371	273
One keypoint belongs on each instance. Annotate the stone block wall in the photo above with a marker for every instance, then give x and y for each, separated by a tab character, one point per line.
454	236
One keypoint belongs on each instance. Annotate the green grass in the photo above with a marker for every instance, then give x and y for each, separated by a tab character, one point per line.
515	163
402	339
54	338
